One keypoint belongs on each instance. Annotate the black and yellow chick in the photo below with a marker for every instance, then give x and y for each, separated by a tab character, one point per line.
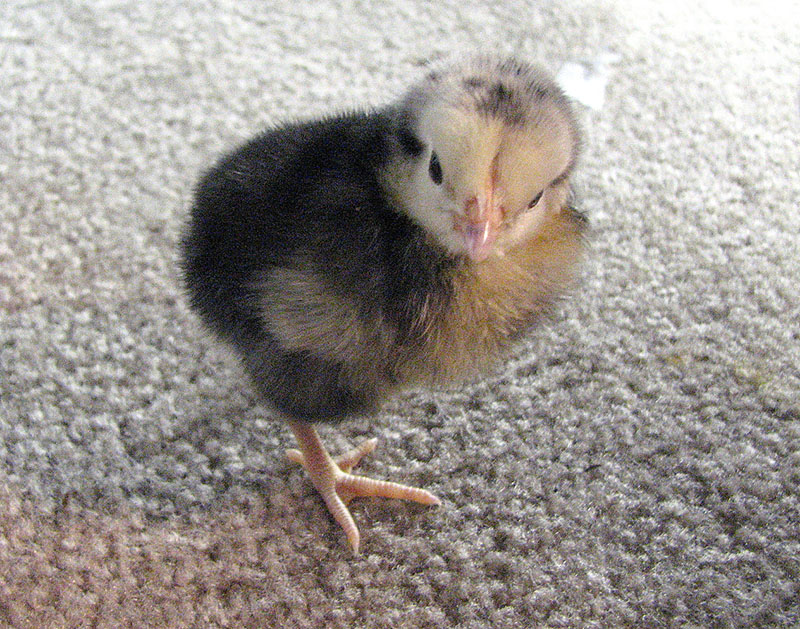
351	257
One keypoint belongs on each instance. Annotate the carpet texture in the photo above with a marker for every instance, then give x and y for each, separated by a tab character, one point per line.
637	463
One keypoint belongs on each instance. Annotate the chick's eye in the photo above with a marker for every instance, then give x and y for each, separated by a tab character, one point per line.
435	169
535	200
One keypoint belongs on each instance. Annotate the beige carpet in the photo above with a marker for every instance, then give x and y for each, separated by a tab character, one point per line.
636	464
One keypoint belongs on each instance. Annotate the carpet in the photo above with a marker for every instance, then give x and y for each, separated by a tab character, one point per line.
635	463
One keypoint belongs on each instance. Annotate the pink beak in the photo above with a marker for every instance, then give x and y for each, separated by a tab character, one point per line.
483	217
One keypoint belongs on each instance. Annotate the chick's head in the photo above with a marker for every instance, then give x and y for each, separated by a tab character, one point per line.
498	141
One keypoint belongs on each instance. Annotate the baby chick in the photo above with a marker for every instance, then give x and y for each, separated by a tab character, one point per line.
351	257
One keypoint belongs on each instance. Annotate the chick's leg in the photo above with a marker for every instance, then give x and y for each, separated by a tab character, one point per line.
335	483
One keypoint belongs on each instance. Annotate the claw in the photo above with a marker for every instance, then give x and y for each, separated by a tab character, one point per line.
337	486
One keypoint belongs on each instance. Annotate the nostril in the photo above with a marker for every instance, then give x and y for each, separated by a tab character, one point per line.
474	209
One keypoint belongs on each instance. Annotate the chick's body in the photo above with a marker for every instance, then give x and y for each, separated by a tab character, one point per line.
297	258
348	257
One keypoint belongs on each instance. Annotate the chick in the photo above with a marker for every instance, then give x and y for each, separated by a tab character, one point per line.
351	257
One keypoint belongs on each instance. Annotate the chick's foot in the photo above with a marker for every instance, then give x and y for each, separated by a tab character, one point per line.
337	486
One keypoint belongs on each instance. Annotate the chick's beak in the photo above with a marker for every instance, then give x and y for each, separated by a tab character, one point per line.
482	218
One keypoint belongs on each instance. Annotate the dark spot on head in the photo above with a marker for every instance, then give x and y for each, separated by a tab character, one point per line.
474	83
499	100
538	91
512	66
500	93
407	138
409	142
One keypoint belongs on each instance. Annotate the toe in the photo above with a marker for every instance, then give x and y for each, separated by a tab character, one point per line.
350	486
338	509
349	460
